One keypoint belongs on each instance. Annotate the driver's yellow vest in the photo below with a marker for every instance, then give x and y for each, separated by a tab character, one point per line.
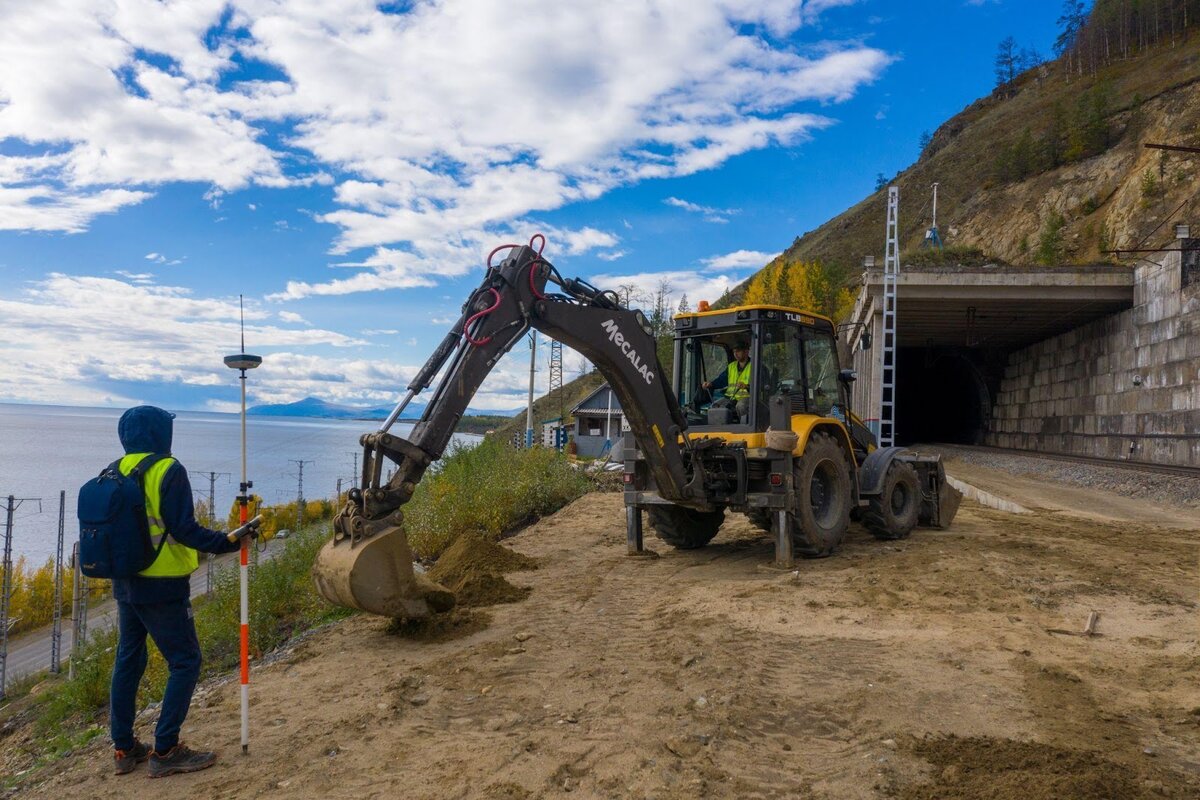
734	377
175	560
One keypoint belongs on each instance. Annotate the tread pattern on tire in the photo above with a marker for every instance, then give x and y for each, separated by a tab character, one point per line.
685	528
878	517
821	446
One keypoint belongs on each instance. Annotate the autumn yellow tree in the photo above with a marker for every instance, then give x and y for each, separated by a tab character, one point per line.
809	285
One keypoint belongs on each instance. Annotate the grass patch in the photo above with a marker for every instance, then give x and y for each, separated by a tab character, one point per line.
488	489
952	256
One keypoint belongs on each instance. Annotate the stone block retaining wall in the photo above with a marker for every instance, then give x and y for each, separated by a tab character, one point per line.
1124	387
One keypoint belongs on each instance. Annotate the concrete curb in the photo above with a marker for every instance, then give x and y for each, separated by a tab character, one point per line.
986	498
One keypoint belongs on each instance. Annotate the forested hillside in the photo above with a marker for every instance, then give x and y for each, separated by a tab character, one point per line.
1050	168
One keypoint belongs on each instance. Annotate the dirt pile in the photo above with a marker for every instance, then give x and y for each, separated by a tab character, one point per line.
982	768
474	568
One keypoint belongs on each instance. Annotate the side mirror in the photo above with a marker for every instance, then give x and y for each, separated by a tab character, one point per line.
848	376
865	341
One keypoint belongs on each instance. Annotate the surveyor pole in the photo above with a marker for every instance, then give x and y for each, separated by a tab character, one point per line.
242	362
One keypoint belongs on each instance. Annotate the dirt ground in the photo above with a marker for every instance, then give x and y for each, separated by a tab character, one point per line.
925	668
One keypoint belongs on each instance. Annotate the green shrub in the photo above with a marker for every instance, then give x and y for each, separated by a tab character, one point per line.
1151	187
488	489
954	255
1050	251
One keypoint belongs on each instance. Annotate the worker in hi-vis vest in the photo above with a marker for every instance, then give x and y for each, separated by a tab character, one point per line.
158	602
735	381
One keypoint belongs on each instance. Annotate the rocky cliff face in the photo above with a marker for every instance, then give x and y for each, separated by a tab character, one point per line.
1020	181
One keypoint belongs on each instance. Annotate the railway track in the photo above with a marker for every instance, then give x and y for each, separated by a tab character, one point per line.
1140	466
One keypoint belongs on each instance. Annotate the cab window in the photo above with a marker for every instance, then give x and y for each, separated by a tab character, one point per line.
821	368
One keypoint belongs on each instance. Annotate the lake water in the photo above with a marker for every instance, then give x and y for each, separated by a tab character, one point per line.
47	449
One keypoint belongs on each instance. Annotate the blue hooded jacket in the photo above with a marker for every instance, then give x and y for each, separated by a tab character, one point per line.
147	429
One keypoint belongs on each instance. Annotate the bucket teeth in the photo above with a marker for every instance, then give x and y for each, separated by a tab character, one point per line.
376	574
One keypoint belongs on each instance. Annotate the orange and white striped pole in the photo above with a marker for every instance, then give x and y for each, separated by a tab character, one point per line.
244	361
244	585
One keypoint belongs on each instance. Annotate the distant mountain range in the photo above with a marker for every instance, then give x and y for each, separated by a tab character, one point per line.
314	407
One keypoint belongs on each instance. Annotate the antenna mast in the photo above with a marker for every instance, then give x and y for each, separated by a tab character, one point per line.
932	237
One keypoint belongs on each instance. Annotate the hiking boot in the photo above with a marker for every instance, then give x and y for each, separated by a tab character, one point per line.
127	760
179	759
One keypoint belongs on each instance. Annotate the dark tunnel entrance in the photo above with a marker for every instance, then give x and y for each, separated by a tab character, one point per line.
942	396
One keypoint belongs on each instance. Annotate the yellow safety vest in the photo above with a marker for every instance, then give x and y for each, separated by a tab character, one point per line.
733	378
175	560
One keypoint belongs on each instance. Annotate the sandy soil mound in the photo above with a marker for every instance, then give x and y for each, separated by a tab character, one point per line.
916	669
473	568
982	768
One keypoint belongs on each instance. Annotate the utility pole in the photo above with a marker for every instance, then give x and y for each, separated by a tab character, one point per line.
532	370
6	591
556	382
56	627
300	494
76	611
212	495
216	522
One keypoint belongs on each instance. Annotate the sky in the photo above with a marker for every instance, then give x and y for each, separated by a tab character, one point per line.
345	165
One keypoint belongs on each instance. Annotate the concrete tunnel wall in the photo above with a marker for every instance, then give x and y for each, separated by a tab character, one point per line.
1126	386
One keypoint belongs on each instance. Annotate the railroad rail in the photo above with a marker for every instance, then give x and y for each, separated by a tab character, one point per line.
1140	466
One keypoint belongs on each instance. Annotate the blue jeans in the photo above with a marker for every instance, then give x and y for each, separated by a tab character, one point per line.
170	626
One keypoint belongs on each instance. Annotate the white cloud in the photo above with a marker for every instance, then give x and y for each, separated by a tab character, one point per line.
718	215
293	317
739	259
679	282
612	255
435	144
159	258
45	208
140	278
95	331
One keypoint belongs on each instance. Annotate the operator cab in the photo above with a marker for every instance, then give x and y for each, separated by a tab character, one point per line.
788	353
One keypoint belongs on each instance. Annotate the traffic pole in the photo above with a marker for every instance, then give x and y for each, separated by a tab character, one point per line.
242	362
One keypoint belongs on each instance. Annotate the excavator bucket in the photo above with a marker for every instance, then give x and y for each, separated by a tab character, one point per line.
376	574
941	500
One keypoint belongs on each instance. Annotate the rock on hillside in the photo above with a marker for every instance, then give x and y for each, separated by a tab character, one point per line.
1105	201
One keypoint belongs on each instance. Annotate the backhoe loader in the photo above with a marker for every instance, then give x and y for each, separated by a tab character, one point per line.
781	445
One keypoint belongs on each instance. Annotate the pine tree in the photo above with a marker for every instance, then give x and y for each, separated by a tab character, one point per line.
1070	23
1006	61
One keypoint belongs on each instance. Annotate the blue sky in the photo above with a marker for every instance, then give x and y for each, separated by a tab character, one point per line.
345	167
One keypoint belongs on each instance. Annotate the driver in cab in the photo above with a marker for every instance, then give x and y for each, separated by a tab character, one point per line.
735	381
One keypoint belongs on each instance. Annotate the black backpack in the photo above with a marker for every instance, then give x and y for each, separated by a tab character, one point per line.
114	534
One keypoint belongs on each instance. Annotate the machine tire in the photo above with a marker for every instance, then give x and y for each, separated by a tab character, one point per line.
685	528
823	497
893	513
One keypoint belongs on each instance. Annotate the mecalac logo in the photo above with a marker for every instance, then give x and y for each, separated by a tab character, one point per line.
616	337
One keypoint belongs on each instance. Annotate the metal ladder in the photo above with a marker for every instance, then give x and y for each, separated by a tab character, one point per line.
891	275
